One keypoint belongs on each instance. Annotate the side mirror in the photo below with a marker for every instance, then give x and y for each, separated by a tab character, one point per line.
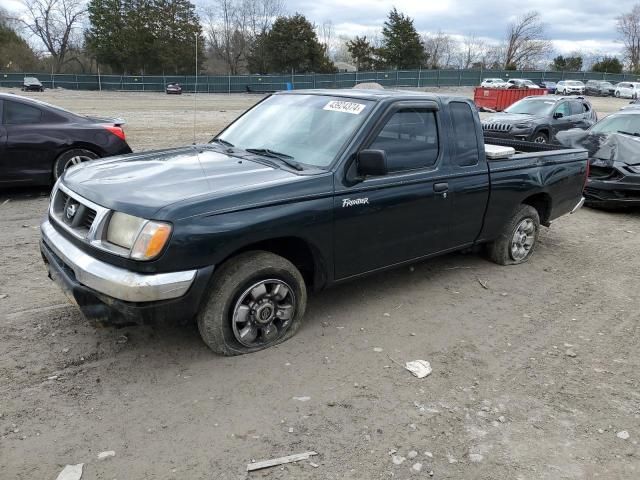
558	115
372	163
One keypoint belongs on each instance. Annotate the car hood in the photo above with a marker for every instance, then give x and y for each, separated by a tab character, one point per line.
606	147
512	118
165	184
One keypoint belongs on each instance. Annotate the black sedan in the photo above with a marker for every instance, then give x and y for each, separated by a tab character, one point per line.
614	152
39	141
32	84
173	89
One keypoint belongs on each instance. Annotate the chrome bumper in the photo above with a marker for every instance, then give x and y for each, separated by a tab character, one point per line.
114	281
578	206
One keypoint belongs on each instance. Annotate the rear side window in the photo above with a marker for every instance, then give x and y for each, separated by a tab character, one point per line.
464	134
410	139
577	108
20	114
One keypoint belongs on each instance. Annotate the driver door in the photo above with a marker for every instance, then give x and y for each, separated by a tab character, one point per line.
561	119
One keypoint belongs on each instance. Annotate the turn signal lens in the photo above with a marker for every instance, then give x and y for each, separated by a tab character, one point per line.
151	240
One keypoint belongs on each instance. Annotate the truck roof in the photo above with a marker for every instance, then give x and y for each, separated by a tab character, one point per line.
371	94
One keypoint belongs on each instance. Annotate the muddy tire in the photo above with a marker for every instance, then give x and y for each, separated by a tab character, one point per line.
71	158
518	238
256	300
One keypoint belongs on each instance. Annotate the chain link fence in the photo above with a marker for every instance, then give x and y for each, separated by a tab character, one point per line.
269	83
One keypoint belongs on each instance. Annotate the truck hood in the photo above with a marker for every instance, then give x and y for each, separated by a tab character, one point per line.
512	118
144	184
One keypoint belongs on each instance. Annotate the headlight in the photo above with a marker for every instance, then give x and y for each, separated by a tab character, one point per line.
144	239
524	125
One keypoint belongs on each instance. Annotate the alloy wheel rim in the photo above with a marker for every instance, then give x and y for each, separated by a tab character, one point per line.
263	313
523	239
76	160
540	139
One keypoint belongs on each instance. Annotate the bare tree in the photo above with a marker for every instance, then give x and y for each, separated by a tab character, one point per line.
440	49
628	25
326	34
525	42
472	50
54	23
232	27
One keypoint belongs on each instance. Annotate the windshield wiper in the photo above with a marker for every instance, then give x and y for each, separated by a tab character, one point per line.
629	133
222	142
283	157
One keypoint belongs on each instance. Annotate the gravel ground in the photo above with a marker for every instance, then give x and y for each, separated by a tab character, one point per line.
534	377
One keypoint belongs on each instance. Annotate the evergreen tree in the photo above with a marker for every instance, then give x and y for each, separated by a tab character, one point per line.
362	52
292	44
567	64
401	47
608	65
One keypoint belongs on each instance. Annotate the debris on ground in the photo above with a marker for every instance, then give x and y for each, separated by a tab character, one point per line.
624	435
106	454
476	457
412	454
398	459
484	284
377	349
122	339
428	454
278	461
314	465
302	399
71	472
416	467
570	353
419	368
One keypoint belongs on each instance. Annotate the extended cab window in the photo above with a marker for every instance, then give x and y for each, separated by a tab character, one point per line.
19	114
464	134
577	108
410	139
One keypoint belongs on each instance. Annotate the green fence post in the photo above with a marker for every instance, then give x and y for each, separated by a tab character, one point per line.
438	79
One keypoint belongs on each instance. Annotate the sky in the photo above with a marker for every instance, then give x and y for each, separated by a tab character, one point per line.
586	26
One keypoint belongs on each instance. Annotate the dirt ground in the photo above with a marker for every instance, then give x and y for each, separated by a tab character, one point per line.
534	377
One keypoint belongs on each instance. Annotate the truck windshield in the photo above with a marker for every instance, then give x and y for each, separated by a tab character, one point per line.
310	129
531	107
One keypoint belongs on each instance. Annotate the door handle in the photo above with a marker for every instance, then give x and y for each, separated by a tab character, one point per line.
440	187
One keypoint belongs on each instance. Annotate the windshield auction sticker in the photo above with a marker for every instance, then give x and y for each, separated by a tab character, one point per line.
345	107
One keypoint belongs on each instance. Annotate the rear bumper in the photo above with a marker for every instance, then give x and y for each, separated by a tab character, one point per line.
110	294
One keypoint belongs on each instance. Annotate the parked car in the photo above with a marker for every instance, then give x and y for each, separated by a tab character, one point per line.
614	156
570	87
550	86
521	83
539	118
32	84
627	90
38	141
493	83
599	88
305	190
173	89
634	104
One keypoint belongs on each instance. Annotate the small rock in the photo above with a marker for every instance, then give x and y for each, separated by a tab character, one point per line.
52	377
302	399
600	430
412	334
106	454
392	451
331	404
71	472
568	345
122	339
290	429
367	437
416	467
428	454
451	459
624	435
314	465
476	457
504	294
412	454
397	459
412	426
386	314
431	473
377	349
501	419
570	353
3	295
65	350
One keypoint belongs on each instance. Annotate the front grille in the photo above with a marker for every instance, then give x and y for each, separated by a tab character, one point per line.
496	127
72	213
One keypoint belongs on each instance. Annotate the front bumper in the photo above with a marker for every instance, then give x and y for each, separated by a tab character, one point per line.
622	190
111	294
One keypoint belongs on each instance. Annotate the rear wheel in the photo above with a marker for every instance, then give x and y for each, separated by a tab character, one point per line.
257	300
518	237
71	158
617	94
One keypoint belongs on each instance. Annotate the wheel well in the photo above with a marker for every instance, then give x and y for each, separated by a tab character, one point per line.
542	203
297	251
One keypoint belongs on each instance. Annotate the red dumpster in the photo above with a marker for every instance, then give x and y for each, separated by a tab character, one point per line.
498	99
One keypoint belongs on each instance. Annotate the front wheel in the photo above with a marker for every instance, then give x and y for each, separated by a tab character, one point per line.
71	158
617	94
518	237
256	300
540	137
